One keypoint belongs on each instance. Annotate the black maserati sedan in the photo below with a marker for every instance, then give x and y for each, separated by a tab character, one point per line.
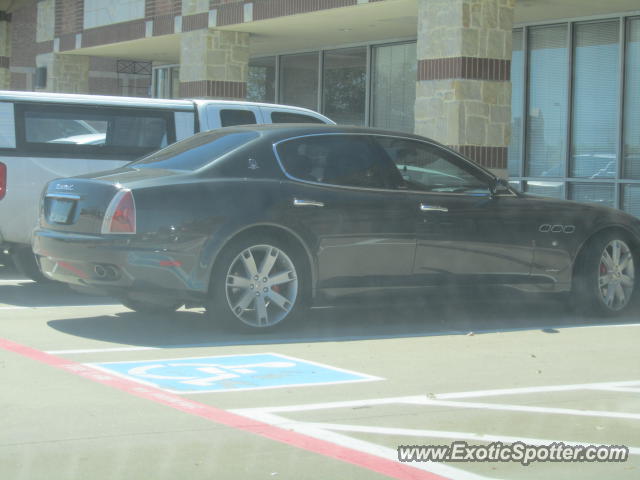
256	222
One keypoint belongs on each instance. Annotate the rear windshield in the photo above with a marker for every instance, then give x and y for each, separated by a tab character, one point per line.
195	152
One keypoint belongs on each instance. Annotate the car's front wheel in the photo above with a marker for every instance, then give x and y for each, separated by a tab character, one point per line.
256	283
606	277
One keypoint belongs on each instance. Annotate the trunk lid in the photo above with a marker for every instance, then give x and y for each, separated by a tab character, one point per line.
79	204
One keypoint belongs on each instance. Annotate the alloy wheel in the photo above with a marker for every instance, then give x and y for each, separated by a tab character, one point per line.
616	275
261	285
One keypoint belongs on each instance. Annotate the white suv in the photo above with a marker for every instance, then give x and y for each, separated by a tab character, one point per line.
44	136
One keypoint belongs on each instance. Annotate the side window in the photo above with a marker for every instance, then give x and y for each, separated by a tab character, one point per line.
430	168
7	126
229	118
288	117
348	160
94	129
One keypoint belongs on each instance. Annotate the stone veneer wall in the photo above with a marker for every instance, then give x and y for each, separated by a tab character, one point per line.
65	73
214	63
463	95
5	50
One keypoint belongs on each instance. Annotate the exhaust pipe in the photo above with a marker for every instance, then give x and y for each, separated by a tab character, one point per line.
111	272
100	271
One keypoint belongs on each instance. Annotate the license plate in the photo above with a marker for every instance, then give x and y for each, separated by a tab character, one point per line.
60	210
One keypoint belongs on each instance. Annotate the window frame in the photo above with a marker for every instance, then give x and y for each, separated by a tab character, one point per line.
88	151
476	168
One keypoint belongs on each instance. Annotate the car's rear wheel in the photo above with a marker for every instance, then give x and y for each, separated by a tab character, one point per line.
606	281
257	283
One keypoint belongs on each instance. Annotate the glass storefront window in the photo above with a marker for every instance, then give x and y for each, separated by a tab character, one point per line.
631	199
514	159
594	114
393	87
344	85
547	115
261	84
166	81
545	189
600	193
631	127
299	80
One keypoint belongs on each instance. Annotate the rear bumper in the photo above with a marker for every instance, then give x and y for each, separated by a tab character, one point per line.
115	264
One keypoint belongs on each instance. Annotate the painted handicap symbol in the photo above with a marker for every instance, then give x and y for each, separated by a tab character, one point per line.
226	373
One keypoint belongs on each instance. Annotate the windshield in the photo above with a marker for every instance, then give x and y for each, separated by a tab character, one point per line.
195	152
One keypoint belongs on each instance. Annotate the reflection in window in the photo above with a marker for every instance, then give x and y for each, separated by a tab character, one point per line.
600	193
393	87
631	137
429	168
517	91
261	84
299	80
547	115
334	159
595	100
344	85
546	189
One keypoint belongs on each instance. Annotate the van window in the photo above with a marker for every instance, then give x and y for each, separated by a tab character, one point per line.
7	126
229	118
96	129
288	117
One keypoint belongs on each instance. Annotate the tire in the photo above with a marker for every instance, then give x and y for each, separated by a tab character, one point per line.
257	284
605	281
142	306
25	262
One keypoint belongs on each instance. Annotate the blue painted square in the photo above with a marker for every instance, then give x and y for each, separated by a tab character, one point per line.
230	373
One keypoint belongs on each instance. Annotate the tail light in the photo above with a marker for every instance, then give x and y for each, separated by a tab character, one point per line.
3	180
121	214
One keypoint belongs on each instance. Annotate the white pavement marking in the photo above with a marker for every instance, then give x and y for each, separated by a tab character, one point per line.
354	443
35	307
540	389
409	432
100	350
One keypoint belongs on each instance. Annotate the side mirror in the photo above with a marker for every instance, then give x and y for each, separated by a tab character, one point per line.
500	187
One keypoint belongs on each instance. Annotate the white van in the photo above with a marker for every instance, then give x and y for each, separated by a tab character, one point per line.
44	136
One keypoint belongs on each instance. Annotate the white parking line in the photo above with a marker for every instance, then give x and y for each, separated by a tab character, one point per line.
100	350
21	307
354	443
410	432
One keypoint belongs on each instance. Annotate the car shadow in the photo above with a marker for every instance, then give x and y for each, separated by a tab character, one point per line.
26	293
384	318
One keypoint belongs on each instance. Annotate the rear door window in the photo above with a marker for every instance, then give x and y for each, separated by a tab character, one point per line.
230	118
288	117
346	160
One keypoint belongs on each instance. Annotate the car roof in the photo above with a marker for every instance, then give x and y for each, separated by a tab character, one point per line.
281	131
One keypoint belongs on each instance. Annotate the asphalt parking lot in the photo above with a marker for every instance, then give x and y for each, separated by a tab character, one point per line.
93	390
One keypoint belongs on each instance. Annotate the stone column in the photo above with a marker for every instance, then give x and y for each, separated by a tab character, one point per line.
214	64
65	73
463	94
5	50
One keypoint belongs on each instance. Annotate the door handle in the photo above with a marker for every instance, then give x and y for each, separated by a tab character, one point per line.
432	208
301	202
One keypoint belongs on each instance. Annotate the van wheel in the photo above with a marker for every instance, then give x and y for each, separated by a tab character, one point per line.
26	263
